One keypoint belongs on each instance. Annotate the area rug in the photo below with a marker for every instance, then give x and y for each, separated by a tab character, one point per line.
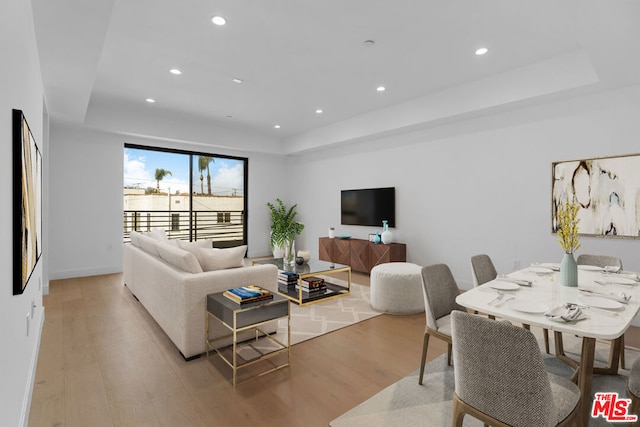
323	317
406	403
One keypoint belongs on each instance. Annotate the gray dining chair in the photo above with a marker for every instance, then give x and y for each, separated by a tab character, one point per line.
440	290
599	260
617	353
484	271
502	384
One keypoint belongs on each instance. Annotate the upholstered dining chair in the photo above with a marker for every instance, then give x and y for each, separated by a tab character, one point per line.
440	290
484	271
601	261
502	384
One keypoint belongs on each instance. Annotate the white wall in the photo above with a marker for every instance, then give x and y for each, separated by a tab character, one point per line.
20	88
480	186
86	203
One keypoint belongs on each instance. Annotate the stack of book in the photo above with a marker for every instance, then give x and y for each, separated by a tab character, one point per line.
313	284
247	294
286	280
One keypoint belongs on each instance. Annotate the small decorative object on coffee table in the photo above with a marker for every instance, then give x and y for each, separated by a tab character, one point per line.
239	317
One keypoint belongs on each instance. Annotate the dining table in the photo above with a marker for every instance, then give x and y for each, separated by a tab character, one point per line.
601	307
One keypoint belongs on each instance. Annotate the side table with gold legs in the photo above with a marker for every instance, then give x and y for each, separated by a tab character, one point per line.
238	318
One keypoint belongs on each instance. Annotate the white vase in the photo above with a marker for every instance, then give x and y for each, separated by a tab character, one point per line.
387	235
305	254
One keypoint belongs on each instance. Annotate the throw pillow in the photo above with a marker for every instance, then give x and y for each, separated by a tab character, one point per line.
148	244
187	245
135	239
158	233
219	259
179	258
193	247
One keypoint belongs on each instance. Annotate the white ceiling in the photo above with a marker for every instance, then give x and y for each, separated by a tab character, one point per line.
102	57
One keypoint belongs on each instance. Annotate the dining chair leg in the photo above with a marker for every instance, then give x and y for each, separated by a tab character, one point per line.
622	352
458	413
449	351
425	344
546	340
492	317
635	406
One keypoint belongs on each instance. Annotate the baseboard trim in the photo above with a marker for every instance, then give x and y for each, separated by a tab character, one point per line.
26	405
69	274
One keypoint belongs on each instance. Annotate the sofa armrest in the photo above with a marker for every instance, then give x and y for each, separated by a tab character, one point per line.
198	286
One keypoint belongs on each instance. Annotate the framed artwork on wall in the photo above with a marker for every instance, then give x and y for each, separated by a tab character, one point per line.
607	190
27	203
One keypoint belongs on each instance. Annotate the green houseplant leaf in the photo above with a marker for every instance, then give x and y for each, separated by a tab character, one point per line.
284	227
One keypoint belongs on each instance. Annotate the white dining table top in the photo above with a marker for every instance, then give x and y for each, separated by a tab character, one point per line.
546	293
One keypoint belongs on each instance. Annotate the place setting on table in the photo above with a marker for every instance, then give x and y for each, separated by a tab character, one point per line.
535	290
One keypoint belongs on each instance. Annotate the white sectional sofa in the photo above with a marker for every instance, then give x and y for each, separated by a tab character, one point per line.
170	283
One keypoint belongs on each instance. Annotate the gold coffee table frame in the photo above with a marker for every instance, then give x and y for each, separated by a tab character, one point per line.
238	318
311	268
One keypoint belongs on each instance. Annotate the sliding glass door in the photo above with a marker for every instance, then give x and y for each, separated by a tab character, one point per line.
190	195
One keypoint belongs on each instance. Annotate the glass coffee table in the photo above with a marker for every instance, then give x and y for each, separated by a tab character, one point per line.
314	267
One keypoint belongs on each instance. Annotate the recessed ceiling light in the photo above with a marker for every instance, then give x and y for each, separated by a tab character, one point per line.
236	80
150	100
277	126
175	71
218	20
229	116
381	88
319	111
482	51
368	43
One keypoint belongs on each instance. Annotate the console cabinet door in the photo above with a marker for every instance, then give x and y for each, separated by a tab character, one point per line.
325	249
341	253
381	253
359	255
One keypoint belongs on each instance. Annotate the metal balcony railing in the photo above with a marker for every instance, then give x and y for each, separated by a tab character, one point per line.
225	228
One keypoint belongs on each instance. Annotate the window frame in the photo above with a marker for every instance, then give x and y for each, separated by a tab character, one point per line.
192	155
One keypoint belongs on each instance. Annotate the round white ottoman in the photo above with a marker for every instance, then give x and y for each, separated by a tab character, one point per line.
396	288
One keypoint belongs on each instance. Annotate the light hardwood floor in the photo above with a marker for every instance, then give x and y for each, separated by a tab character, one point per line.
105	362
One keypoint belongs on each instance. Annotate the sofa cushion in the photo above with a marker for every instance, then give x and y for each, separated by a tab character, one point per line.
219	259
148	245
192	246
179	258
135	239
158	233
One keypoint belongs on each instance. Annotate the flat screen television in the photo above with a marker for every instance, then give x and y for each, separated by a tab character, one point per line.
369	206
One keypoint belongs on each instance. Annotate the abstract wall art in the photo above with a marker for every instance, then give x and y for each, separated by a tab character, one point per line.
27	203
607	190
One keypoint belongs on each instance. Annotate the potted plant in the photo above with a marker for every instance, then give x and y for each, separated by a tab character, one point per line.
284	229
